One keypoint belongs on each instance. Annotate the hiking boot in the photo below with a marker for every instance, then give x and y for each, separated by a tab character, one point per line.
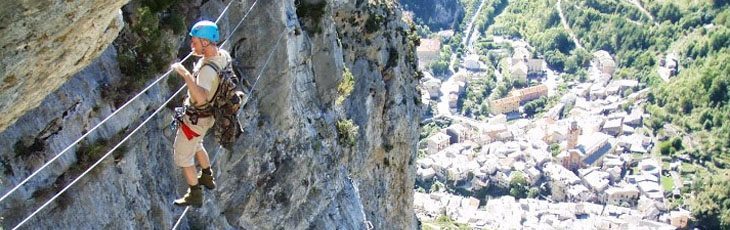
206	180
194	197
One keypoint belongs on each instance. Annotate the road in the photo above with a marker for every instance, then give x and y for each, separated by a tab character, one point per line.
641	8
567	27
469	40
469	31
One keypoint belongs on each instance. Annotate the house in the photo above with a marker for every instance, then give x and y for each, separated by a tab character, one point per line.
437	142
560	180
556	133
535	67
624	194
650	166
604	62
429	51
521	54
554	113
614	127
433	87
679	219
578	193
635	119
453	99
596	180
493	131
458	133
518	71
512	102
597	92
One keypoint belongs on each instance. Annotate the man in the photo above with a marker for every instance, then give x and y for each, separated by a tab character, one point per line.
198	118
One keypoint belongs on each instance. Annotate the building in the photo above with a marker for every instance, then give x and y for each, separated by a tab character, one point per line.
623	195
560	179
520	54
530	93
554	114
433	87
679	219
505	105
471	63
458	133
604	62
596	179
535	67
512	102
428	52
593	147
494	131
518	71
614	127
437	142
573	133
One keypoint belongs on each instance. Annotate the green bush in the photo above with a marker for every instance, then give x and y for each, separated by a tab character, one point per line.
347	132
374	23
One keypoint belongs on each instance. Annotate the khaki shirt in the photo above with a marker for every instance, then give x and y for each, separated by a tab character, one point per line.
206	77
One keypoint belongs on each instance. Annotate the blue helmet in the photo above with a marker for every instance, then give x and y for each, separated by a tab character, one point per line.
205	29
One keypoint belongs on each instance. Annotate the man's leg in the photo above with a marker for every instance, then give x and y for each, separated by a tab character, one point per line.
190	177
184	158
206	175
203	159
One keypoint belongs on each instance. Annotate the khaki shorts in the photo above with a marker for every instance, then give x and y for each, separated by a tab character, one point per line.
184	149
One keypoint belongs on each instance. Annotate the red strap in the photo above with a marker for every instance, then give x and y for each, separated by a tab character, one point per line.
189	133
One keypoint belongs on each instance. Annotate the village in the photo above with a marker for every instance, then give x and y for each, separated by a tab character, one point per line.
584	161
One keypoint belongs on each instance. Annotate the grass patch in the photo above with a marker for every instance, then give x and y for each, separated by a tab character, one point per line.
667	183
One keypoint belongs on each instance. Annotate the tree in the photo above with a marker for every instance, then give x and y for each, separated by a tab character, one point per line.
440	67
720	39
501	91
518	186
555	60
670	12
718	92
711	205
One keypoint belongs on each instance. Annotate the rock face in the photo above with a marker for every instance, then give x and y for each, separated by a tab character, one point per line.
437	14
44	43
293	168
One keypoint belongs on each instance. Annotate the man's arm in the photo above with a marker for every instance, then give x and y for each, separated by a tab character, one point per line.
199	94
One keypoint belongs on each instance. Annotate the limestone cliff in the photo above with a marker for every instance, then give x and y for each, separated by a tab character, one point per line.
44	43
313	155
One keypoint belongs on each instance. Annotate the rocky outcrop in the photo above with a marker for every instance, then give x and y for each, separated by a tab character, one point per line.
44	43
312	156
